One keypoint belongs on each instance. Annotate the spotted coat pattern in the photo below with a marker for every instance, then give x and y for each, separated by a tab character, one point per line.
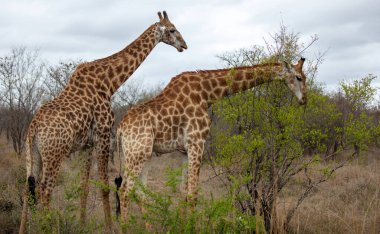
80	117
177	119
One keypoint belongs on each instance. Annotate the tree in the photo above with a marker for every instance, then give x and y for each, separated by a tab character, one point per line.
259	147
259	138
359	94
357	126
21	73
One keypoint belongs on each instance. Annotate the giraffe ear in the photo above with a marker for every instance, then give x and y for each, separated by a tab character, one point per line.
159	15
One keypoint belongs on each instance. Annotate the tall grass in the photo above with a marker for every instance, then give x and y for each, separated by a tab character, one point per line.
348	203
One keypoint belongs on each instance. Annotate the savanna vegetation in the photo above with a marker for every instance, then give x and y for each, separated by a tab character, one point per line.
270	166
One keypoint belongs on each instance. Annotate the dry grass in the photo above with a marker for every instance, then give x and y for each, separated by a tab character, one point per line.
12	173
347	203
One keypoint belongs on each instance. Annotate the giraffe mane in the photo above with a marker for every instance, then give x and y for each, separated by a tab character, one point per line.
230	68
116	55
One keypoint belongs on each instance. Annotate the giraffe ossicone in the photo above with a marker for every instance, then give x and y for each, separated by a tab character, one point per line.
81	117
177	119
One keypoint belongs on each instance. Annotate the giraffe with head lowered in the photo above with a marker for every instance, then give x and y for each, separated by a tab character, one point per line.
80	117
177	119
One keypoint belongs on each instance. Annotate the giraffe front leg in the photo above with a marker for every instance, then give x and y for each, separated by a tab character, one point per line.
195	152
195	146
86	168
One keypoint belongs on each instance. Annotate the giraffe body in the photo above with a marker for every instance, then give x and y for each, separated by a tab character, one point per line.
177	119
80	117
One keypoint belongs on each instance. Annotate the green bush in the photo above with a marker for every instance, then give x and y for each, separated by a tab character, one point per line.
167	212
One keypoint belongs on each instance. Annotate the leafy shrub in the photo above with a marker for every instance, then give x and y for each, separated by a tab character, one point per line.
166	212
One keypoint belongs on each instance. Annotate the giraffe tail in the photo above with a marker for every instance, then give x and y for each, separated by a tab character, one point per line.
33	165
119	179
33	161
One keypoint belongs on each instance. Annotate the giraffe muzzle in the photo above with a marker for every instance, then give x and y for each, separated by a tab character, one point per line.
182	47
302	101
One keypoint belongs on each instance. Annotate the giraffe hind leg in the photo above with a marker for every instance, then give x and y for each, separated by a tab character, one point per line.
50	170
133	170
29	198
137	149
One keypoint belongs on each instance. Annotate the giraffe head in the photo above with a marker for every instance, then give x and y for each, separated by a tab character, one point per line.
167	33
296	79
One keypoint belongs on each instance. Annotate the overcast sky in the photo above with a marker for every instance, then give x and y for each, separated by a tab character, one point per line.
92	29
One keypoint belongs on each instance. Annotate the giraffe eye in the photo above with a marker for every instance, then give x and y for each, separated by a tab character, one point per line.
298	78
172	30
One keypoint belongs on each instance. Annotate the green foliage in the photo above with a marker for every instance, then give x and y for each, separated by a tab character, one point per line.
360	92
61	221
173	177
376	133
320	117
358	128
166	212
359	131
257	133
260	137
258	142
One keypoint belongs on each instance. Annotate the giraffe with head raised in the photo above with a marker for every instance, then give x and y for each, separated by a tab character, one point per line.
80	117
177	119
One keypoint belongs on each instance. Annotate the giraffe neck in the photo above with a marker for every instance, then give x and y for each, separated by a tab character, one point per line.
216	84
126	62
108	74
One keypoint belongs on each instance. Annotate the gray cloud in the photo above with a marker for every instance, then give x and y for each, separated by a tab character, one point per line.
91	29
